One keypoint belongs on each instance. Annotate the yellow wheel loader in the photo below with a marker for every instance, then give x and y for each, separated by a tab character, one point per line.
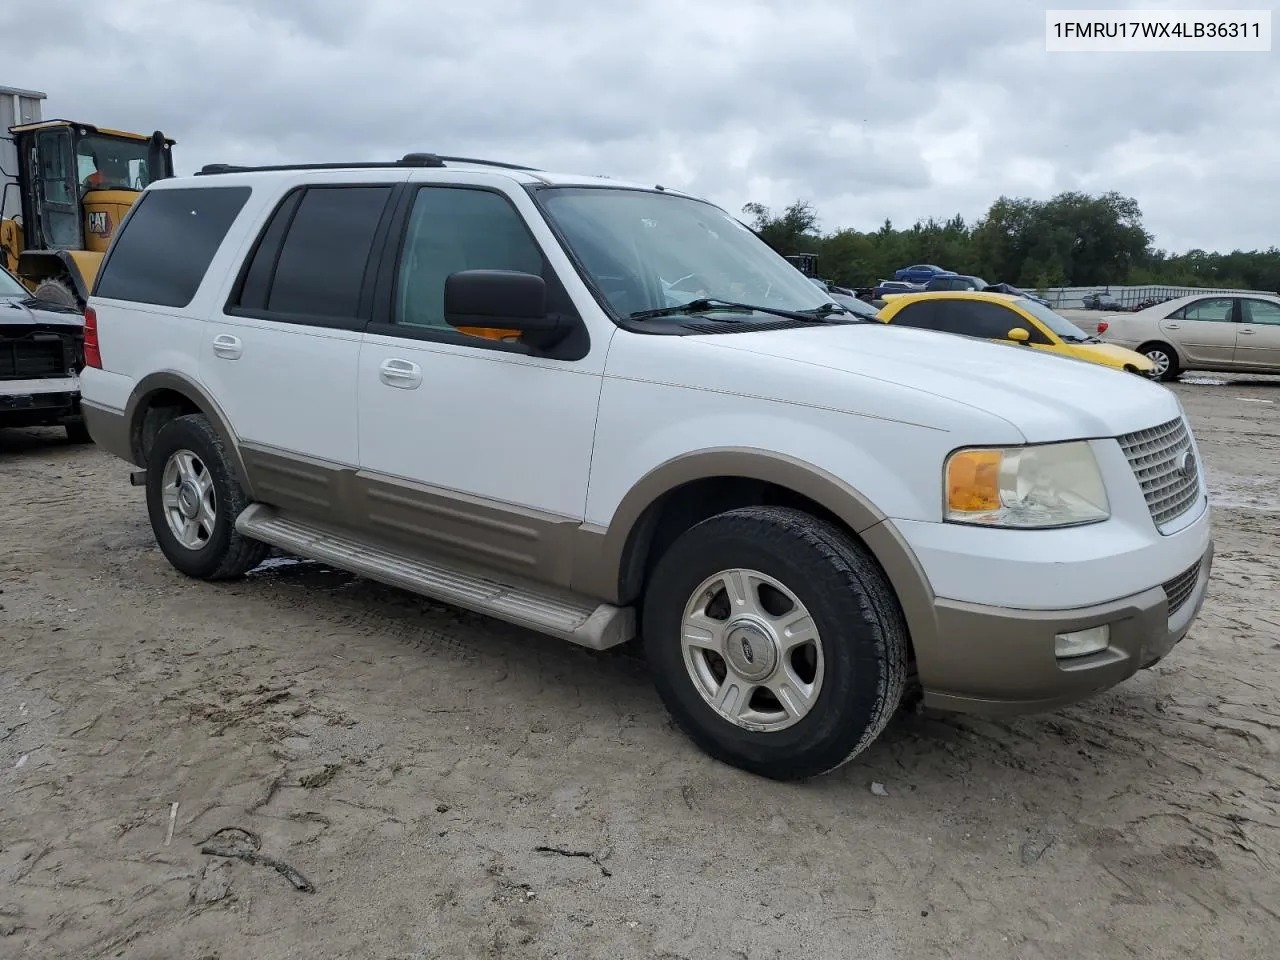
73	185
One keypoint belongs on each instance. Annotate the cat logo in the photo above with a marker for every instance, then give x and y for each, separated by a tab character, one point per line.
99	222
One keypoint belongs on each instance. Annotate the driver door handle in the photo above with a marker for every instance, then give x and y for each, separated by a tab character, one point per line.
1246	331
404	374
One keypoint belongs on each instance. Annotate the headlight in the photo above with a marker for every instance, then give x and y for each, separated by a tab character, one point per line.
1049	485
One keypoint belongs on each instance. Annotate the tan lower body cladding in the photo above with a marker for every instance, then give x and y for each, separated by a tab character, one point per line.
402	513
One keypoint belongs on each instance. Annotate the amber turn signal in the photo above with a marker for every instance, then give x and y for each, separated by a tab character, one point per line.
973	481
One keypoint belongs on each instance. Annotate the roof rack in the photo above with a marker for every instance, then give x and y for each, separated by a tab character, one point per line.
408	160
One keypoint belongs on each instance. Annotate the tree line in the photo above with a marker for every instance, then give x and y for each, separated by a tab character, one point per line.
1073	240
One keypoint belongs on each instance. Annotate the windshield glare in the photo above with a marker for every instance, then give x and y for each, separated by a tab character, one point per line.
647	251
1054	321
9	287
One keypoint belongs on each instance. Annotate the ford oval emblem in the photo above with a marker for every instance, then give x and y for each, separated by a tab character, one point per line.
1187	465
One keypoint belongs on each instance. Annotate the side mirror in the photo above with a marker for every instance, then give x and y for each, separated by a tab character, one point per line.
502	302
1018	335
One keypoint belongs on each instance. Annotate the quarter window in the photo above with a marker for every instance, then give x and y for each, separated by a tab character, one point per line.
925	315
163	250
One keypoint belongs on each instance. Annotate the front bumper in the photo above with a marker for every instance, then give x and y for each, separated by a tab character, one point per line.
40	402
996	660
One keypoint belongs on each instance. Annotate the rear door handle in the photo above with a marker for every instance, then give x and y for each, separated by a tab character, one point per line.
227	347
1172	326
404	374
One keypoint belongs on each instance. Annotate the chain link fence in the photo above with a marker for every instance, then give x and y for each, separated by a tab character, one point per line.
1123	298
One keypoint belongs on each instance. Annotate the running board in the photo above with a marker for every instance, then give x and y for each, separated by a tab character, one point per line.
557	613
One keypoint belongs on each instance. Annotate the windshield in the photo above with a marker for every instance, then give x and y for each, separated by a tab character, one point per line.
1054	321
9	287
112	162
650	251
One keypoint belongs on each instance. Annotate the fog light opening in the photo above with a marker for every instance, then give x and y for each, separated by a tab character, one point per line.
1081	643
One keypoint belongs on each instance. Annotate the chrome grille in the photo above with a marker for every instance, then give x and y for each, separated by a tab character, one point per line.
1179	589
1165	464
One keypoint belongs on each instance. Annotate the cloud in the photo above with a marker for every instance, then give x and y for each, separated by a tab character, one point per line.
915	109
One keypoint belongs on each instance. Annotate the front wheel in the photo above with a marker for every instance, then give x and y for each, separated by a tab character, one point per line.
193	500
775	641
1164	361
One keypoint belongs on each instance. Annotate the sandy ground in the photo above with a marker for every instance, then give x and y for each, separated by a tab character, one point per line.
452	787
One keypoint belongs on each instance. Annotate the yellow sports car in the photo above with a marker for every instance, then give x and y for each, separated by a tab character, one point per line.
1009	319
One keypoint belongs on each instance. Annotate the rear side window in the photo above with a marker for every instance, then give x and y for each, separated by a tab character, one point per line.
167	244
309	264
1213	310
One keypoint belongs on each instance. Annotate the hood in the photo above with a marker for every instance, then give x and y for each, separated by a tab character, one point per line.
1044	397
1109	355
22	314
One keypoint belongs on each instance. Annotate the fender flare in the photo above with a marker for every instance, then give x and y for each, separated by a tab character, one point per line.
43	264
599	566
170	380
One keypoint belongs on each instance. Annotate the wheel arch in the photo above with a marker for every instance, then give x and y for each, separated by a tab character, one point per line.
165	395
690	488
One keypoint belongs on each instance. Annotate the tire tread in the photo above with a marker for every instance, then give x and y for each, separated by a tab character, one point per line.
241	553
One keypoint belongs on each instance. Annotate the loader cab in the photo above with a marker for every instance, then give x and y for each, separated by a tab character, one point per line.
72	169
77	182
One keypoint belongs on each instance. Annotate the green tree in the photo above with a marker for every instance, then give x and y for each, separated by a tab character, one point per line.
794	231
1072	239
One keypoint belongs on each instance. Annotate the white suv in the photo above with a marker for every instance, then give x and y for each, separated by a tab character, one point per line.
482	383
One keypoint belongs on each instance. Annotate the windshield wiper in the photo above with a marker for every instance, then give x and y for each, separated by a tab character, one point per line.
708	304
834	309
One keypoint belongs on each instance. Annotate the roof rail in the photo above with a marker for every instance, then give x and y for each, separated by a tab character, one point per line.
479	163
408	160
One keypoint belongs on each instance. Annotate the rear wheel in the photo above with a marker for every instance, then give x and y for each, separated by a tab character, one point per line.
1164	358
57	290
193	500
775	641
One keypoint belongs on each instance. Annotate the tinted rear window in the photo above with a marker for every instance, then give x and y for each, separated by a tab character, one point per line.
166	246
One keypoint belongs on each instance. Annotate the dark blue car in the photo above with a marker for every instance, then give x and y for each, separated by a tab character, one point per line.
921	273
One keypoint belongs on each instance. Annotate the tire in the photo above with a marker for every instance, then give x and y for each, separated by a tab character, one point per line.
1167	368
860	633
77	432
217	551
57	290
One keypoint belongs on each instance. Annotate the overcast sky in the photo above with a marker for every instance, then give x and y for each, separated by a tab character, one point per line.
904	110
